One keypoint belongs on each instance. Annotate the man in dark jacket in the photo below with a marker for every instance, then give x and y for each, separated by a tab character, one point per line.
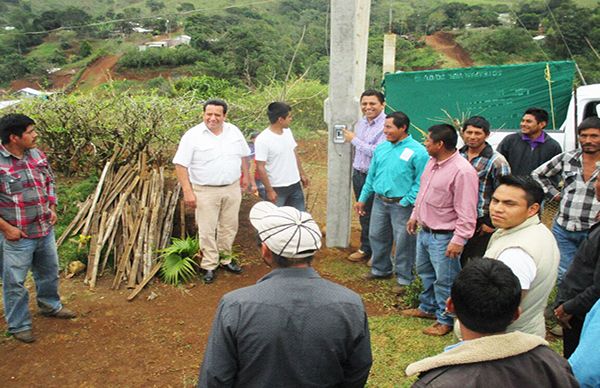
485	298
293	328
580	288
532	147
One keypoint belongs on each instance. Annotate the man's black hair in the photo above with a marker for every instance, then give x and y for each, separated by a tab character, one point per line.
216	102
400	119
539	114
14	124
445	133
477	122
284	262
589	123
486	294
373	92
533	191
278	109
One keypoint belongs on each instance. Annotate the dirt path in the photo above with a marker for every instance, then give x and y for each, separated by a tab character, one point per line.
146	342
445	44
98	72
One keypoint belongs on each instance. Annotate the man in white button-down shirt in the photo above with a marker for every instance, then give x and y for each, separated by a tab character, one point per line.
212	170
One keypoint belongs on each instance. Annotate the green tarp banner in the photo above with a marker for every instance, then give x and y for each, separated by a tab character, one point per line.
499	93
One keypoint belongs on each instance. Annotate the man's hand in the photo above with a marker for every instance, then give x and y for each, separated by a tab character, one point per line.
360	208
272	195
563	317
189	199
411	226
304	180
454	250
486	229
53	217
348	135
13	233
244	183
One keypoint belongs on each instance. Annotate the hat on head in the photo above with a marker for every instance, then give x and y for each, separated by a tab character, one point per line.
287	231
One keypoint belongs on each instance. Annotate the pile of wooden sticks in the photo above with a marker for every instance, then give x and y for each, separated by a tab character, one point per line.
128	218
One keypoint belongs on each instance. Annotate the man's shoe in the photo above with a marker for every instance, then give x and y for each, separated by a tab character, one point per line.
63	313
357	256
233	267
370	262
417	313
371	276
24	336
399	289
437	329
209	276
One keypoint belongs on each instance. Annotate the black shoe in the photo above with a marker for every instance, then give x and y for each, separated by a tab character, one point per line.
63	313
209	276
233	267
24	336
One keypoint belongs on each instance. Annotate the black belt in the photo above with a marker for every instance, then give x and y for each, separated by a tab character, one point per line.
388	199
437	231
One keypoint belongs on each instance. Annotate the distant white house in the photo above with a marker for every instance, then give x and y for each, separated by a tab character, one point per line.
6	104
9	28
539	37
169	43
30	93
141	30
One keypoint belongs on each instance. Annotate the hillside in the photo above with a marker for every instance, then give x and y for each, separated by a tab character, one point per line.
253	43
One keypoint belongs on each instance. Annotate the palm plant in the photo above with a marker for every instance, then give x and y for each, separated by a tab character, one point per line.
178	260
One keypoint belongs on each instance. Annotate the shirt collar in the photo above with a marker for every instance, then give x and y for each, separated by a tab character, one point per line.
487	151
538	140
6	153
456	153
306	273
401	141
377	120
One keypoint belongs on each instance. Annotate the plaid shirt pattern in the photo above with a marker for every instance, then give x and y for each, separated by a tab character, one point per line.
26	191
578	204
490	165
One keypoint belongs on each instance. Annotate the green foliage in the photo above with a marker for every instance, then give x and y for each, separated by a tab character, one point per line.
500	46
178	260
152	57
85	49
203	87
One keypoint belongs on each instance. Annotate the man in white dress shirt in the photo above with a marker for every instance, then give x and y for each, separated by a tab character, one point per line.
209	162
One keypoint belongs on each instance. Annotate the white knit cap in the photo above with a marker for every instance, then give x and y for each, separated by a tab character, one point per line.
287	231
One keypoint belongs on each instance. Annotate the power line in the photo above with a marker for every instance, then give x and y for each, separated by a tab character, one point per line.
525	28
112	21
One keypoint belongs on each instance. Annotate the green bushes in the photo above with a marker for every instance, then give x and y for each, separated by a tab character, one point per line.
152	57
80	132
500	46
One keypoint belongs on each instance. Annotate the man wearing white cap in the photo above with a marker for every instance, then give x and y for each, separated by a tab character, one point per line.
292	328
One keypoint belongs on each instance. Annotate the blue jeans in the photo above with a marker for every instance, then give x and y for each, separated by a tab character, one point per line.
437	272
568	243
358	181
291	195
18	257
388	227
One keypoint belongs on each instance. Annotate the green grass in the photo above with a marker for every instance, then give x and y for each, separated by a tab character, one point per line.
44	50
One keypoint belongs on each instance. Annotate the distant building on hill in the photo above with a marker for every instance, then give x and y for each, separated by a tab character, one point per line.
169	43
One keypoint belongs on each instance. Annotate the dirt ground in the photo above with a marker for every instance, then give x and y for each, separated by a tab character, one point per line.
444	43
158	339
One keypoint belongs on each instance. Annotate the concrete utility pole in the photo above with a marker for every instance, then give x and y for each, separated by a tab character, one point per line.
347	71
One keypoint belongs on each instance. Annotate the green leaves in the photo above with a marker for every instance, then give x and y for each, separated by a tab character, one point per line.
178	260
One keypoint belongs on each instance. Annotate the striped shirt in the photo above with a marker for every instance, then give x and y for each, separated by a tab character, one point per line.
368	136
26	191
490	165
578	204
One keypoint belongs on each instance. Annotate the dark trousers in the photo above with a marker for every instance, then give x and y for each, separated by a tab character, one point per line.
571	336
358	181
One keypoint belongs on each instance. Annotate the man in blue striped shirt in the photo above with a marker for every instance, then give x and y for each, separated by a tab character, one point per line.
393	179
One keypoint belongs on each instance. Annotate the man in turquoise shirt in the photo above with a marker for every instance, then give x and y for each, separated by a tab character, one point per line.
393	179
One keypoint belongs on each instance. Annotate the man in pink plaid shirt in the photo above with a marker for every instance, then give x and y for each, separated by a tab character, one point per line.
27	218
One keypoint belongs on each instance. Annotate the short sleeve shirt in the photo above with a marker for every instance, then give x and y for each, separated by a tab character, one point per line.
212	160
